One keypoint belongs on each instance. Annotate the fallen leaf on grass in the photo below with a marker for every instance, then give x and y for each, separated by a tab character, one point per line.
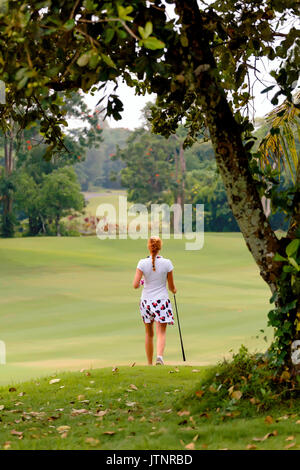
80	397
54	381
183	413
269	420
237	395
199	393
130	403
142	419
195	438
232	414
298	422
192	420
13	432
290	438
79	412
190	446
109	433
290	445
270	434
64	435
282	418
195	370
253	401
2	407
53	417
133	387
7	445
65	428
131	418
12	389
251	447
285	376
101	413
92	441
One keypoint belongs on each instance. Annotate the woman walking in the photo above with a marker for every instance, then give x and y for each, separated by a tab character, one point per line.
155	304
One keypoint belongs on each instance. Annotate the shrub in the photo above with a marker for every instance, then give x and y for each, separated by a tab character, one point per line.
244	386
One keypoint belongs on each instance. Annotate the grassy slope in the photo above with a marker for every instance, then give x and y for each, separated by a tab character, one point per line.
146	418
68	303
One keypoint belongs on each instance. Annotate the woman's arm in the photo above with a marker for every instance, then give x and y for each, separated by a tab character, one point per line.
137	278
171	284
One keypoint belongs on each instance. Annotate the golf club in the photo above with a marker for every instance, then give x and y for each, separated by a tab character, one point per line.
182	349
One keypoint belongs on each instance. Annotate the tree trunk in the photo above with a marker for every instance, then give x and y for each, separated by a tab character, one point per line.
233	164
182	172
58	234
231	157
7	218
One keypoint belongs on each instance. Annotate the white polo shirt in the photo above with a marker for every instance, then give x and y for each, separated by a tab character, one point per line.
155	281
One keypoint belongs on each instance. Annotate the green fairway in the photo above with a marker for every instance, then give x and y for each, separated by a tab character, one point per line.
68	303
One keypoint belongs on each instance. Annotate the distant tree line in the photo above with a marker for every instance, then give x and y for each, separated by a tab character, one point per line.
151	168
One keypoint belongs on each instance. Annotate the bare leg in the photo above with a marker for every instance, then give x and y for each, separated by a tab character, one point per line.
149	342
160	338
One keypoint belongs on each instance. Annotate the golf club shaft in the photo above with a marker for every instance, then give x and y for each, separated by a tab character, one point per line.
182	349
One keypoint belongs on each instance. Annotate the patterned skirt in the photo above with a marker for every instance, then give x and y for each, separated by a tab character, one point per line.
159	310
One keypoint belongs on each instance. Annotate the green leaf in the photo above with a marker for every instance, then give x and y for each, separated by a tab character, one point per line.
184	40
108	61
84	59
69	24
292	247
148	29
294	263
20	73
123	13
152	43
142	32
90	5
145	32
269	88
108	35
278	257
94	60
22	83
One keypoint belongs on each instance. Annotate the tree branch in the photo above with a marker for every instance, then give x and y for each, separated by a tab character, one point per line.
50	124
